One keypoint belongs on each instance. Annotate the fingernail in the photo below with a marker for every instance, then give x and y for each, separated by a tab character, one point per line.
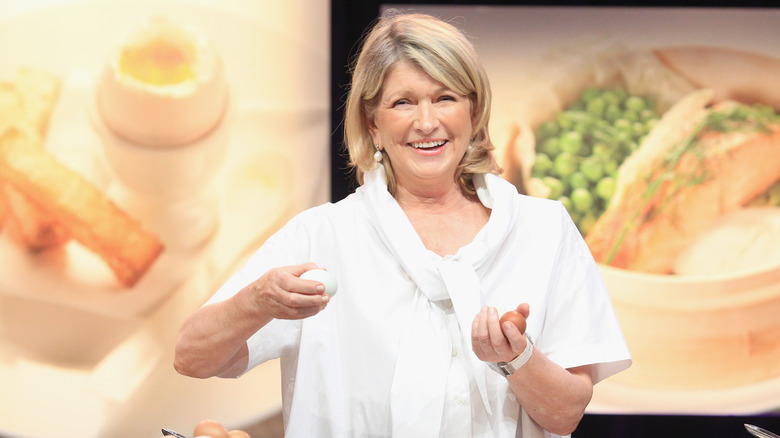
325	298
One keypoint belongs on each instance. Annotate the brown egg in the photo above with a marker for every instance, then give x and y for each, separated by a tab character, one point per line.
515	318
238	434
210	428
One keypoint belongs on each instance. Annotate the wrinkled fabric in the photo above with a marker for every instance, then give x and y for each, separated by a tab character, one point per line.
449	278
391	354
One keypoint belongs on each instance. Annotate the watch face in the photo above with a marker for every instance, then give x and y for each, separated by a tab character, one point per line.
500	368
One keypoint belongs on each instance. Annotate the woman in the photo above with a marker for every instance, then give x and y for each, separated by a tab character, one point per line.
426	251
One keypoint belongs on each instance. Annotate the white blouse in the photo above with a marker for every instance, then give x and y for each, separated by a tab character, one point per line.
391	353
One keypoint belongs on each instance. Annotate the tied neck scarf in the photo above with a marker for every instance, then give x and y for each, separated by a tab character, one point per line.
420	380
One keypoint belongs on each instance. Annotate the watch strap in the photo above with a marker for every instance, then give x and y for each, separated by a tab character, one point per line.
506	369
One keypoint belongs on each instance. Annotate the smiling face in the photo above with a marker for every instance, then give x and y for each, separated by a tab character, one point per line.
424	127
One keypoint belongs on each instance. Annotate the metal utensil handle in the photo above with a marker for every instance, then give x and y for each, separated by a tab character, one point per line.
759	432
169	432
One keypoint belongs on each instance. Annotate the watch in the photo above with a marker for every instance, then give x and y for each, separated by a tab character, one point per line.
506	369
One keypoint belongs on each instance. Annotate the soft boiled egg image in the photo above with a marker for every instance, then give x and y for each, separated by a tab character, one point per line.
164	86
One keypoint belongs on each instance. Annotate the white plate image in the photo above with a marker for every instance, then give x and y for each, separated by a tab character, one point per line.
84	357
754	399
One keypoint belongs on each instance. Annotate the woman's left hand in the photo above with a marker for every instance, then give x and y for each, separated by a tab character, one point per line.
493	343
554	397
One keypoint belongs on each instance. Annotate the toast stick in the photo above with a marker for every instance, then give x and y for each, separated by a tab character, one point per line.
86	213
28	225
28	103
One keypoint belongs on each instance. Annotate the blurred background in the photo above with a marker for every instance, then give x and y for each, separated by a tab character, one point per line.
81	356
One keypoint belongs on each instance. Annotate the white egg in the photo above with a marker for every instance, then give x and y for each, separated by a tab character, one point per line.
165	85
324	277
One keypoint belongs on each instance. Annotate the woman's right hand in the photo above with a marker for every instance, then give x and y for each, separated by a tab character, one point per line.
281	294
212	341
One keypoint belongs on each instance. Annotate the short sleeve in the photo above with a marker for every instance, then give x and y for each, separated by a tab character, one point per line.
581	327
290	245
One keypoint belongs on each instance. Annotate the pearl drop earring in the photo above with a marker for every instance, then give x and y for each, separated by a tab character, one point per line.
377	154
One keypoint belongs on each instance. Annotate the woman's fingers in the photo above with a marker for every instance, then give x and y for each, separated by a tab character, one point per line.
288	279
517	340
524	309
487	337
480	339
497	339
290	297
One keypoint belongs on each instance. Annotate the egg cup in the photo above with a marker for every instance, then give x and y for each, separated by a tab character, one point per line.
169	189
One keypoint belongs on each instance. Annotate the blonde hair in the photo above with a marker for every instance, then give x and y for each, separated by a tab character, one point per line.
441	51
